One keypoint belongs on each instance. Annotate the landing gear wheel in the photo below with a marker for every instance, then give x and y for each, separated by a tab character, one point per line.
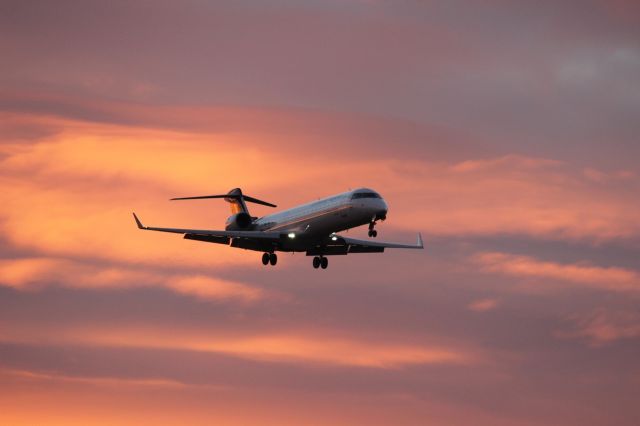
265	258
273	259
324	262
316	262
372	232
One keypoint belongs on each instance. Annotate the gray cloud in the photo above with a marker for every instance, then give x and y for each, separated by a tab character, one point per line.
548	79
436	81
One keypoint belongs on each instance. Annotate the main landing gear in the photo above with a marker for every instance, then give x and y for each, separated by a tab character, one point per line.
320	262
372	232
271	258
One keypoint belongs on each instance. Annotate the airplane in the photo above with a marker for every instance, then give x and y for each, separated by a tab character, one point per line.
310	228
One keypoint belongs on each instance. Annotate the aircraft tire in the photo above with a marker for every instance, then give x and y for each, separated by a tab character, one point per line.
324	262
265	259
273	259
316	262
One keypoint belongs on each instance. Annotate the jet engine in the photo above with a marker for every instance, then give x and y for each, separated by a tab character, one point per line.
239	221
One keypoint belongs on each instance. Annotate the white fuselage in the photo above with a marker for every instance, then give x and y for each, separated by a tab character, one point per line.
328	215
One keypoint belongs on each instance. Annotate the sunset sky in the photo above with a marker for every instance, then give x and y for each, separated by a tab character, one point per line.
506	132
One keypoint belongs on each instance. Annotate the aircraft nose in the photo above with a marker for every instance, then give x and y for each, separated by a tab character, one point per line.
382	210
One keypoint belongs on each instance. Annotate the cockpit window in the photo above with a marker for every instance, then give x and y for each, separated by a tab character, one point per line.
364	195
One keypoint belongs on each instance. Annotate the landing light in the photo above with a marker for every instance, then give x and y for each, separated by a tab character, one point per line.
334	238
291	235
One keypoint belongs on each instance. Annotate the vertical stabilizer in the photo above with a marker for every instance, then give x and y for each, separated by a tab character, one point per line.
236	200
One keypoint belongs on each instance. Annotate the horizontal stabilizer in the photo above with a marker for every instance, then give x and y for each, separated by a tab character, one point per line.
228	196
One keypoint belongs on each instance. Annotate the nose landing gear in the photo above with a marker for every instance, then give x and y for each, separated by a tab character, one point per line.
269	258
320	262
372	232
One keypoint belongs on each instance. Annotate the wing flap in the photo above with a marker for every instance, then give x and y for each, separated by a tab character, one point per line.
360	246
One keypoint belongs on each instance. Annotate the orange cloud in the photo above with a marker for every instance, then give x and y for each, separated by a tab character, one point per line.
611	278
71	193
506	163
303	347
64	400
483	305
519	195
213	288
31	273
93	381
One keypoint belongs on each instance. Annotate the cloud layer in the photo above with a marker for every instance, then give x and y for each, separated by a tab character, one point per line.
505	133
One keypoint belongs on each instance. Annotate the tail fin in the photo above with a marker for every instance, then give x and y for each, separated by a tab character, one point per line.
233	197
237	201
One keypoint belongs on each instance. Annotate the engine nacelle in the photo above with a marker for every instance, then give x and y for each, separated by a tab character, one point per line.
239	221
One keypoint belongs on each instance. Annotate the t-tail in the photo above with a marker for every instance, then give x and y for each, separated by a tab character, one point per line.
240	216
236	201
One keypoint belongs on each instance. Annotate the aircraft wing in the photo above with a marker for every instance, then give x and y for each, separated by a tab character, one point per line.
381	245
212	233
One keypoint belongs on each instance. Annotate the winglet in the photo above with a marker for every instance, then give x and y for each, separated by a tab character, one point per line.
420	243
138	222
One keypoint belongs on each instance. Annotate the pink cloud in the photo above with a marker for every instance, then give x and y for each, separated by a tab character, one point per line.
297	346
483	305
604	326
582	274
109	382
